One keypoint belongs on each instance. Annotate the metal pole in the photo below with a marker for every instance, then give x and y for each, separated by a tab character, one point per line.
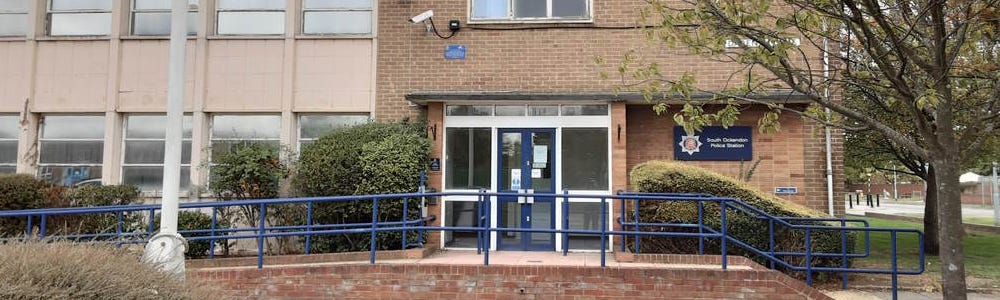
895	189
166	249
996	197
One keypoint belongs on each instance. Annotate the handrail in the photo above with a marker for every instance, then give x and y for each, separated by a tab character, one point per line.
485	229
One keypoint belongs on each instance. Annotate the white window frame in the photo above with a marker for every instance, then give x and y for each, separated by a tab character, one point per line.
16	142
549	19
126	139
219	10
41	138
133	11
298	124
49	12
370	10
212	139
14	13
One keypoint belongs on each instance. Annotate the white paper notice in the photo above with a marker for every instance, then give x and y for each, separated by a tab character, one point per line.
515	179
540	156
536	173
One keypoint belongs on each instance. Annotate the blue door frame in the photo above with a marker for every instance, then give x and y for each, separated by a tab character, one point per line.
528	164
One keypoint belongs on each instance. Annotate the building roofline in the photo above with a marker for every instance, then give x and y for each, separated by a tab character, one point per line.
423	97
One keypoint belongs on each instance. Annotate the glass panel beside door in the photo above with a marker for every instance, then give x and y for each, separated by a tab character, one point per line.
527	164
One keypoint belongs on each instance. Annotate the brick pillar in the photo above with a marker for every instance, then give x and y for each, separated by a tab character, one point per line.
619	167
435	132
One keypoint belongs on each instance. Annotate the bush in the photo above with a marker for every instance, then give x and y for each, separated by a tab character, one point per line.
91	196
373	158
671	177
194	220
36	270
19	191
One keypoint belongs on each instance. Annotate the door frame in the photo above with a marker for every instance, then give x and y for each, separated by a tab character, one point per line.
526	209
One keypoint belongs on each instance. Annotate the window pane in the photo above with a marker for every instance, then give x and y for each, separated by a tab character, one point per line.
223	147
468	158
569	8
585	110
152	127
337	4
151	178
69	176
585	158
8	152
470	110
489	9
510	110
543	110
314	126
81	5
13	24
14	5
73	127
460	214
585	216
529	9
252	4
261	127
8	169
151	152
80	24
9	127
158	4
71	152
356	22
158	23
251	22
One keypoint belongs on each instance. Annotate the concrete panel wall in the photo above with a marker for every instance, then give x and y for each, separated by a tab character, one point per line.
333	75
144	76
13	83
72	76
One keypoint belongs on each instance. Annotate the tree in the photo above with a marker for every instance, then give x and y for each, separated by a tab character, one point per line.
934	62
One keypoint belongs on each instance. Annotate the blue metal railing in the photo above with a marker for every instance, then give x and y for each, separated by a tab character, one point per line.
484	227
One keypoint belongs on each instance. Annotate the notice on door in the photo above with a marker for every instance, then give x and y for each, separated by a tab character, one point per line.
515	179
536	173
540	156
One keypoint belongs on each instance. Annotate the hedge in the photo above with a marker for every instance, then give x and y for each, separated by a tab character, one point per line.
673	177
19	191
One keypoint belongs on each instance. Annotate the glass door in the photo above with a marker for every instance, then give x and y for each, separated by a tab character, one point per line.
527	165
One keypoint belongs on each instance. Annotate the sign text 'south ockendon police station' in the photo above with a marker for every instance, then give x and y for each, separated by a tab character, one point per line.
714	143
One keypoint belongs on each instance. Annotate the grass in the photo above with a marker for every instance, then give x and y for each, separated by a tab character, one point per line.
982	258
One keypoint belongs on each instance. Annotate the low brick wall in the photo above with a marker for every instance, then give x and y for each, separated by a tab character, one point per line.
271	260
423	281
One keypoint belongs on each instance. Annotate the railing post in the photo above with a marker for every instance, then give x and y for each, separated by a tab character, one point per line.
118	229
28	232
565	209
487	242
604	230
260	236
152	218
701	225
843	248
722	218
770	240
809	278
895	271
479	222
41	227
374	226
211	241
635	215
309	222
405	212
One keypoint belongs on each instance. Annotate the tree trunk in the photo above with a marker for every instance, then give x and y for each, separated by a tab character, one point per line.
950	220
931	227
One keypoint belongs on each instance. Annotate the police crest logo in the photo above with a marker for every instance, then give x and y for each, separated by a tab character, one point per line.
690	144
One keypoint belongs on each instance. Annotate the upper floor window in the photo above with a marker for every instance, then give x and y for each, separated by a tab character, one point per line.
337	16
13	17
250	17
79	17
530	10
152	17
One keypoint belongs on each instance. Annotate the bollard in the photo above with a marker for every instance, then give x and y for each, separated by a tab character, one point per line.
868	200
877	201
850	201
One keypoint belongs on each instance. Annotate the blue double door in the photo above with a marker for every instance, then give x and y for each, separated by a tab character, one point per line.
527	165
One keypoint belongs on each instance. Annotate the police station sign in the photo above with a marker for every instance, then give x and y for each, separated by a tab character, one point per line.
714	143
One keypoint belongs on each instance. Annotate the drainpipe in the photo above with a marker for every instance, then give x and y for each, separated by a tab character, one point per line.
829	132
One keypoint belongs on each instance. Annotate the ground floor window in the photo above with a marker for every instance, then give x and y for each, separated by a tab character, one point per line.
461	214
585	158
232	130
145	141
584	216
314	126
9	129
71	149
467	158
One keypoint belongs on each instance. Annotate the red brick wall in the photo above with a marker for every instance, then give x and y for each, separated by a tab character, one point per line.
393	281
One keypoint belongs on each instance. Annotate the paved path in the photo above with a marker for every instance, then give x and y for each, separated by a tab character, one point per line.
912	209
865	295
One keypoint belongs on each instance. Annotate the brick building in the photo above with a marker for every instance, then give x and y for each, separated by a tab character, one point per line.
517	104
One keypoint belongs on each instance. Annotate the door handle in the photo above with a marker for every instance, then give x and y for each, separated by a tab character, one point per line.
521	199
530	199
527	218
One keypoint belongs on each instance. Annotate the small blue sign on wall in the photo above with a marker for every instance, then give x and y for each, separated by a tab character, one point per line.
714	143
786	190
454	51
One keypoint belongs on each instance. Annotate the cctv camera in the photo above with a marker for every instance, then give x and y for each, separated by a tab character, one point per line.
422	16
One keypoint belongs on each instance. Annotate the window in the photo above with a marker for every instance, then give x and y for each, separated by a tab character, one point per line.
337	16
585	159
312	127
585	110
79	17
250	17
511	110
467	158
230	130
152	17
530	10
71	149
585	216
9	128
470	110
13	17
142	164
460	214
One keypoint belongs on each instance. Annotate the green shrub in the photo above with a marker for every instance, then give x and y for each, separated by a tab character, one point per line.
195	220
92	196
672	177
43	270
19	191
373	158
